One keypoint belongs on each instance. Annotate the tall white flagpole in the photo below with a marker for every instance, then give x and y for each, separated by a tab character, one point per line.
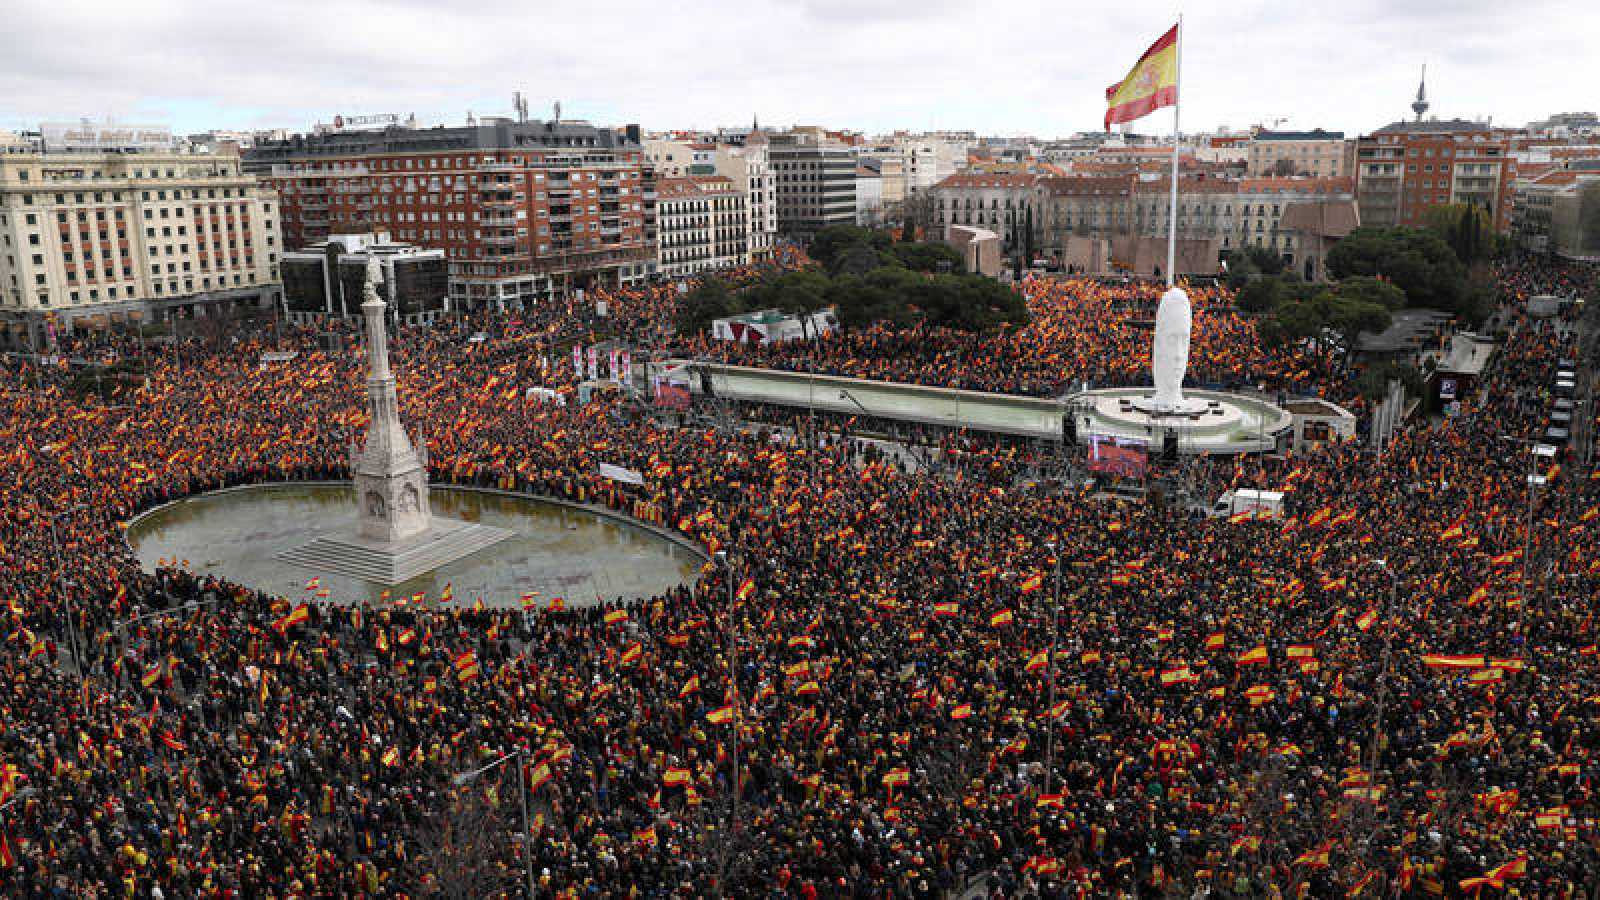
1177	101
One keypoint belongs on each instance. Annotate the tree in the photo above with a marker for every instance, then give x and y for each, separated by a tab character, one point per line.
1268	262
926	256
1466	227
1415	260
462	848
921	213
830	242
1301	311
1283	168
710	299
856	259
1371	290
1259	295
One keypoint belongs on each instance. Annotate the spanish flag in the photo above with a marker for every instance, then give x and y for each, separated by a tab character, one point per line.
616	617
1253	657
1151	84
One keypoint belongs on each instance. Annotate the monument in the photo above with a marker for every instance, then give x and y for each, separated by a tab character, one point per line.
1200	422
395	536
1169	355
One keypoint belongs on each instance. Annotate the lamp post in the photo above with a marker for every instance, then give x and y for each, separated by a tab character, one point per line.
1536	451
72	622
1050	668
522	793
733	685
1382	686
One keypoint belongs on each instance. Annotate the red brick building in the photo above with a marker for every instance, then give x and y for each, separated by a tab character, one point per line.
1408	168
523	210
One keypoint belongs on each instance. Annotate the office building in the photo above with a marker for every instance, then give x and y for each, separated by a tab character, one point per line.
98	230
1316	153
326	279
524	210
815	180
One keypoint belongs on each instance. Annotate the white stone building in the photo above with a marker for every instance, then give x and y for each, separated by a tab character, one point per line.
701	225
94	238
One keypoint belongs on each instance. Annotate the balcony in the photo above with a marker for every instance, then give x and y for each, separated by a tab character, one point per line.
498	218
500	240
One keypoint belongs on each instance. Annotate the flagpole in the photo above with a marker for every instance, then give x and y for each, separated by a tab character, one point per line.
1177	101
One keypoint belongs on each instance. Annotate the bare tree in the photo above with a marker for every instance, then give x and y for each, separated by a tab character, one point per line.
920	209
459	850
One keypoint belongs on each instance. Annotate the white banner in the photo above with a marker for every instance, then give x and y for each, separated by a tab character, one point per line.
618	473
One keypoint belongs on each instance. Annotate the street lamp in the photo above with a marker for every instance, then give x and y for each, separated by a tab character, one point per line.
1382	685
72	621
733	685
463	778
1535	480
1050	668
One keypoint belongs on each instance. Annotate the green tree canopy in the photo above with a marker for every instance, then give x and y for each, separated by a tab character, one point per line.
1415	260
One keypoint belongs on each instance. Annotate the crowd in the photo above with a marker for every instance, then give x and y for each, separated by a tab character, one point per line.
1080	329
1392	692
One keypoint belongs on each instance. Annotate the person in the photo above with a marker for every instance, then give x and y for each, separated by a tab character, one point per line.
1257	705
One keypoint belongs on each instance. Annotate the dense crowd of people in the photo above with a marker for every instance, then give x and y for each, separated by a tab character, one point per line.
1393	691
1080	330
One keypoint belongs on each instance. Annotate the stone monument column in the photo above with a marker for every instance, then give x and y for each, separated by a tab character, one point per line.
390	480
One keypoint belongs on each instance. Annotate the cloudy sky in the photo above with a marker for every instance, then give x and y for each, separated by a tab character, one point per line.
1036	67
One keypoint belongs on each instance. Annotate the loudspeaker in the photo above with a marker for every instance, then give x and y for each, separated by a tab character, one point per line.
1069	428
1169	447
705	384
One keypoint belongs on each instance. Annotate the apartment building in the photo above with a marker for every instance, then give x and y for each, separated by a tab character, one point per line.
702	223
1119	223
1317	153
91	238
815	180
749	166
1003	204
1556	211
1408	168
524	210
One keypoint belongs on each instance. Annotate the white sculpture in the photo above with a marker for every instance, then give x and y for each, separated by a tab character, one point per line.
1169	354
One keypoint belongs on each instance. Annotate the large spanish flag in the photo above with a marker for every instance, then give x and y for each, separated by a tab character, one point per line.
1150	85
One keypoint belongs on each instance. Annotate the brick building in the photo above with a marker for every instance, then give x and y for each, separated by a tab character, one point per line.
1408	168
524	210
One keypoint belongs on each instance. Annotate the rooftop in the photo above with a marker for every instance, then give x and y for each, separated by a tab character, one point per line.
1433	126
501	134
1316	134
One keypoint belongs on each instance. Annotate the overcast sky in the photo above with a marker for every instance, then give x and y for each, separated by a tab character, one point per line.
1036	67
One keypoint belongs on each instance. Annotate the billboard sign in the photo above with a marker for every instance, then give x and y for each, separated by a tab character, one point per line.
86	135
672	393
1122	457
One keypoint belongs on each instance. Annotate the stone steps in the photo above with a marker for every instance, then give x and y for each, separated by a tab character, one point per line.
349	556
